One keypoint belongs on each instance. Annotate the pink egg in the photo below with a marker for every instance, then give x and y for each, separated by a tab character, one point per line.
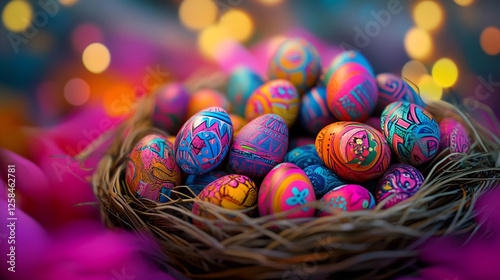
347	198
352	93
284	188
398	183
453	136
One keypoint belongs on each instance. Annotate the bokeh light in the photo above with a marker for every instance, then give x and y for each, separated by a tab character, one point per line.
418	43
210	38
84	35
428	15
76	92
17	15
490	40
464	2
270	2
197	14
96	58
238	24
118	100
413	71
68	3
445	72
429	89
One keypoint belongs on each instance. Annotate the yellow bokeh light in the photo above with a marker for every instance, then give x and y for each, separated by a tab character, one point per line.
490	40
418	43
68	3
96	58
238	25
76	92
428	15
413	71
197	14
429	89
445	72
271	2
210	38
464	2
17	15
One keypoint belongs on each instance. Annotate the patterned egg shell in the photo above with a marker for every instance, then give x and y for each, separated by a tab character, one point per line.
286	187
235	192
399	182
314	113
322	179
242	83
354	151
274	97
412	132
151	169
203	141
198	182
346	57
303	156
347	198
238	123
260	145
170	107
392	88
205	98
454	136
352	93
297	61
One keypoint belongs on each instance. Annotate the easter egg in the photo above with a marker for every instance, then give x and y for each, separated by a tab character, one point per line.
235	192
303	156
352	93
238	123
354	151
412	133
151	169
286	187
242	83
260	145
297	61
399	182
346	57
274	97
347	198
453	136
198	182
170	107
314	113
392	88
205	98
203	141
322	179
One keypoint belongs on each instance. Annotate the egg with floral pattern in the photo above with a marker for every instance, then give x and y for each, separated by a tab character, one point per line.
347	198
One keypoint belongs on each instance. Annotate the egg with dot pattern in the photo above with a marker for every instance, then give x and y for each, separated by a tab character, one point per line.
347	198
303	156
398	183
322	179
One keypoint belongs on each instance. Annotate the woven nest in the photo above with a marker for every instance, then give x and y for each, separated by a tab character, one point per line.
372	244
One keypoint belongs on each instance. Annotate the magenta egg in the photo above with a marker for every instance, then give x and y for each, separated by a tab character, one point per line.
347	198
453	136
170	107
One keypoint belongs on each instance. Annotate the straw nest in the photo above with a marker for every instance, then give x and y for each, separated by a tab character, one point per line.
374	244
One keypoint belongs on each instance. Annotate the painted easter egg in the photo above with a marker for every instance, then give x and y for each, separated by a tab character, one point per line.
205	98
242	83
352	93
303	156
297	61
198	182
399	182
392	88
151	169
322	179
286	187
235	192
203	141
314	113
170	107
274	97
346	57
412	133
454	136
347	198
260	145
354	151
238	123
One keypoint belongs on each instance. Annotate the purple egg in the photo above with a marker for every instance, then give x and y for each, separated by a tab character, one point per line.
170	107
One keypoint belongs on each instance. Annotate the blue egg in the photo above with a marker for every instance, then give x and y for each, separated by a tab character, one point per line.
242	83
314	113
322	179
303	156
343	58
